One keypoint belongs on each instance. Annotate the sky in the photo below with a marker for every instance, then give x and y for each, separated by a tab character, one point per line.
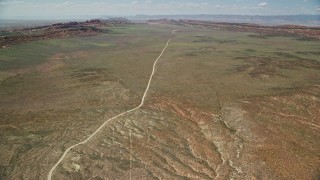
77	8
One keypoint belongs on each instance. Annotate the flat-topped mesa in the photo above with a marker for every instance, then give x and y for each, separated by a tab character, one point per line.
92	27
299	31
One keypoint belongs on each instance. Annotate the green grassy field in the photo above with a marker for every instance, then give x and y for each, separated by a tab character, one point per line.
221	105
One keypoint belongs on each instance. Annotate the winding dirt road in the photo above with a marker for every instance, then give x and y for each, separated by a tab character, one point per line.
126	112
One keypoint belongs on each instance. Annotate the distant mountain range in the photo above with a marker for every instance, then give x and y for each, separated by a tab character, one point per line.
307	20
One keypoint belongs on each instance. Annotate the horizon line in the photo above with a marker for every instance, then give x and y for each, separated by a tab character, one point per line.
136	15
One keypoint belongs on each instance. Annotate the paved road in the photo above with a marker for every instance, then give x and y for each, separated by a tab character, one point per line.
126	112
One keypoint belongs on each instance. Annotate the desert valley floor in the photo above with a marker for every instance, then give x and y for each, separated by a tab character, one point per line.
221	105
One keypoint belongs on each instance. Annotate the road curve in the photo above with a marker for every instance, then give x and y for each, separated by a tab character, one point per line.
108	120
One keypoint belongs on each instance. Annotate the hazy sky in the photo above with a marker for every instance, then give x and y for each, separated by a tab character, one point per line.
73	8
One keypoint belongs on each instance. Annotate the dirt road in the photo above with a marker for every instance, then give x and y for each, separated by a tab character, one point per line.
115	117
